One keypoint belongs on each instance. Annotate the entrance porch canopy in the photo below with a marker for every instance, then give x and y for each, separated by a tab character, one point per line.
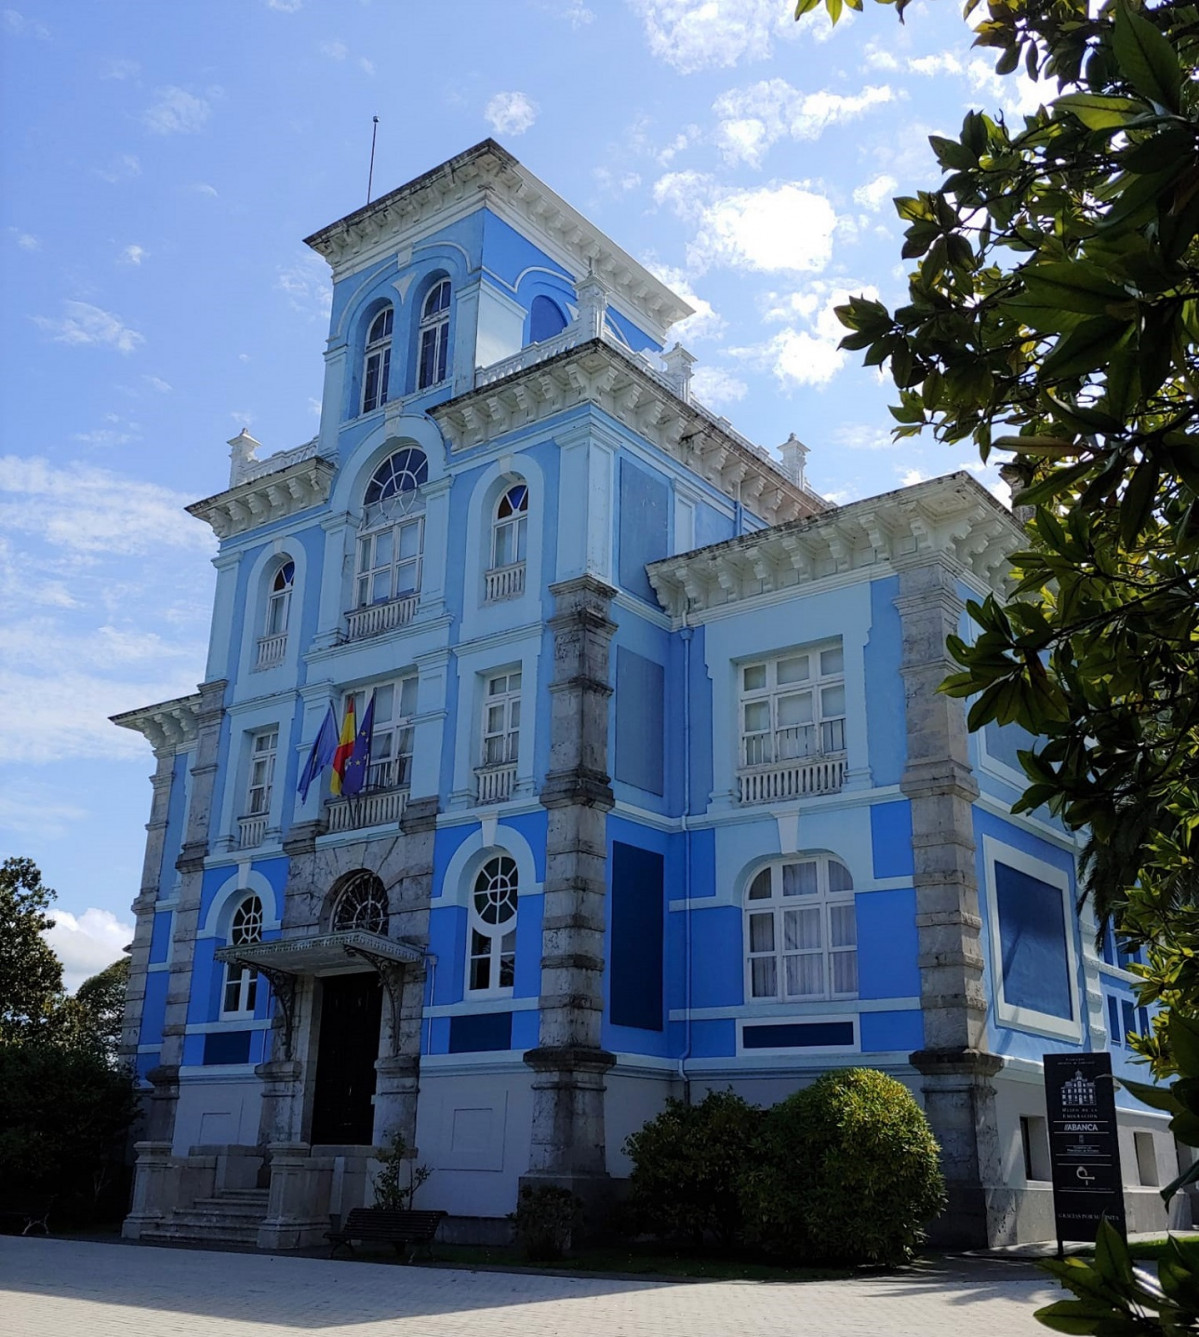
317	956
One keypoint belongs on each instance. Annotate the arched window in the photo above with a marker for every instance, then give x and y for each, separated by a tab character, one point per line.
391	543
434	336
492	962
361	904
508	529
240	991
545	319
376	367
278	604
801	931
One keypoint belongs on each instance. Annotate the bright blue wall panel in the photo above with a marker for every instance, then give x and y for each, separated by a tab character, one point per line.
881	1032
154	1007
1032	930
887	944
643	527
891	839
711	526
713	1039
886	723
718	976
635	960
476	1032
640	721
160	937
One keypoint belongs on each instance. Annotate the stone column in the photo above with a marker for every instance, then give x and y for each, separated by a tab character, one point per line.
152	1195
187	912
282	1101
568	1089
959	1098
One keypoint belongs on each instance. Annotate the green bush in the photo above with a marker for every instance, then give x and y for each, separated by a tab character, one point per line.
545	1220
848	1172
688	1164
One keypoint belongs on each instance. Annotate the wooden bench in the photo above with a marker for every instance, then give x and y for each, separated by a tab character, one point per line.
389	1226
33	1210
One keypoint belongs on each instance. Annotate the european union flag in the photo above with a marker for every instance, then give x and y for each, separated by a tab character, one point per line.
322	752
354	779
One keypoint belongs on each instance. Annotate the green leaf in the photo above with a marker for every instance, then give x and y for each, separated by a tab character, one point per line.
1146	58
1156	1097
1096	111
1073	286
1073	1316
1183	1033
1086	349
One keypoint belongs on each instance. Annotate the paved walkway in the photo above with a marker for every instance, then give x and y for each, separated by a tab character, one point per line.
68	1288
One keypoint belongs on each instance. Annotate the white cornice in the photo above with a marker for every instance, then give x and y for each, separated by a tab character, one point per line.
272	496
954	517
169	724
596	373
487	175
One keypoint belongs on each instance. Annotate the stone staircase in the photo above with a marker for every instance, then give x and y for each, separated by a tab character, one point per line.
231	1217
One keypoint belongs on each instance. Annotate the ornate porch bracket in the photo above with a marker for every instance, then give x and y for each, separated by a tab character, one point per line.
283	986
392	975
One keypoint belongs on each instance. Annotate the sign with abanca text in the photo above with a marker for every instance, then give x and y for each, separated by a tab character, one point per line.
1084	1149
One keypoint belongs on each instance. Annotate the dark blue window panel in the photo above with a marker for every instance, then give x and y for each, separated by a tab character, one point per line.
1032	931
640	740
644	502
798	1035
1129	1018
1004	743
1109	945
479	1031
1113	1020
545	319
638	891
227	1047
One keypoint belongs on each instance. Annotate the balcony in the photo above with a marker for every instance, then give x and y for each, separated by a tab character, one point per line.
375	619
271	650
251	831
793	762
379	807
504	582
495	783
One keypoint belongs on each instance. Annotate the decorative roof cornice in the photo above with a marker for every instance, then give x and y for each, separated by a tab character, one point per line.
488	174
169	724
269	496
595	372
954	516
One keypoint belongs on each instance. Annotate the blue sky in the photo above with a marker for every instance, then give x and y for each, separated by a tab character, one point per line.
161	163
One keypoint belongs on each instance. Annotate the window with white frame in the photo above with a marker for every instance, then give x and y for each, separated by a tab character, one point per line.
278	604
793	706
376	366
360	903
391	730
508	531
263	749
801	931
491	967
434	341
501	719
391	543
239	993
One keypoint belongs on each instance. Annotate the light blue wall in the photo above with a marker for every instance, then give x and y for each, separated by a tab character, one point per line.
885	709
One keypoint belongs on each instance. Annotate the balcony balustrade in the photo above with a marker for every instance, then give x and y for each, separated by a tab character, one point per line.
271	650
251	831
790	779
496	783
504	582
381	807
375	619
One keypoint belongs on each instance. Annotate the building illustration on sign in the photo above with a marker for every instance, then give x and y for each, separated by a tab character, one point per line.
1078	1091
643	786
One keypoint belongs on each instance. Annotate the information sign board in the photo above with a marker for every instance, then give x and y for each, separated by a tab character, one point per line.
1084	1149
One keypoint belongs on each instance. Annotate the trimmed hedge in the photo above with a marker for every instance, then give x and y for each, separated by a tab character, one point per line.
849	1173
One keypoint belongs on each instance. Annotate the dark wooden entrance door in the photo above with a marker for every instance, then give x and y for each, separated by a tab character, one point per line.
351	1006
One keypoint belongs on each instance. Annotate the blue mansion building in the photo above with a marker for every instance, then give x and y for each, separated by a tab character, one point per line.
661	796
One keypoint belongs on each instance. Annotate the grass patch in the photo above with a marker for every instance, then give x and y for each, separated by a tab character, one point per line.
640	1260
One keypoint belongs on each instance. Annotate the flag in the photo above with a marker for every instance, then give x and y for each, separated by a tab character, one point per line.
345	746
354	779
321	755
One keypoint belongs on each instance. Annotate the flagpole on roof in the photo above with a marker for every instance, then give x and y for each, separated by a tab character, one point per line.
370	176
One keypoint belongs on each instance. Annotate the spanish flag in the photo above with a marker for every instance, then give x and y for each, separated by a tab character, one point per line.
345	748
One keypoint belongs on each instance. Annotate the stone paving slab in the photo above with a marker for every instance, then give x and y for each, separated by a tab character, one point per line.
71	1288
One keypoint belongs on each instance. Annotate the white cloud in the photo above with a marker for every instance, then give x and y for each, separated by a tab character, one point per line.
122	168
367	66
25	240
120	69
176	112
805	351
106	436
940	62
876	192
705	323
203	188
157	383
910	477
20	26
306	283
716	387
750	120
1015	93
335	50
686	193
692	35
510	113
285	6
614	182
38	810
87	324
87	943
775	228
133	255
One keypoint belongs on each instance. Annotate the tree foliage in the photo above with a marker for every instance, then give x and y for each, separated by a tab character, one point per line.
30	973
1053	314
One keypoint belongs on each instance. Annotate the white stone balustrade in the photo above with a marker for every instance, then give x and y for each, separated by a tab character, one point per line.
504	582
271	650
378	808
251	831
496	783
791	779
375	619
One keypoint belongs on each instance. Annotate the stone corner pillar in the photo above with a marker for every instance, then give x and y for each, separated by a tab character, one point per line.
569	1063
152	1196
282	1098
298	1212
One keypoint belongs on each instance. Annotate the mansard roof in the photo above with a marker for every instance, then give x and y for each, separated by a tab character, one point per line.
954	516
167	724
595	371
488	175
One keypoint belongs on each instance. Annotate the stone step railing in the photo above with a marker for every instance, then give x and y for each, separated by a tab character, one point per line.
251	831
271	650
791	779
504	582
374	808
375	619
496	783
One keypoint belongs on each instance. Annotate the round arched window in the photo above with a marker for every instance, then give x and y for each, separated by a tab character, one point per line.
495	890
361	904
247	922
491	965
397	478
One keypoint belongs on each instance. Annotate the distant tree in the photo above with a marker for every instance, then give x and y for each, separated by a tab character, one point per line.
30	973
91	1020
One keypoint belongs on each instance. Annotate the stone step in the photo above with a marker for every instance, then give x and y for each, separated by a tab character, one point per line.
170	1232
200	1219
244	1199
